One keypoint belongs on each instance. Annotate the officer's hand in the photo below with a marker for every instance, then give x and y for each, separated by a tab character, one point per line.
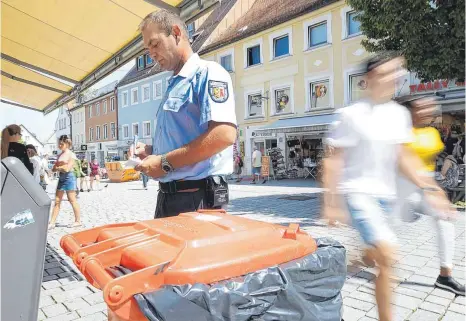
151	166
141	151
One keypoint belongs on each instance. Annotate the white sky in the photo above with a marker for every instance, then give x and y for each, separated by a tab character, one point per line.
36	122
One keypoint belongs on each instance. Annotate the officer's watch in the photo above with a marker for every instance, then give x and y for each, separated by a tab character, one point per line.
166	166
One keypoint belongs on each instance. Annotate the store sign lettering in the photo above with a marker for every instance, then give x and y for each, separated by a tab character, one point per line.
430	86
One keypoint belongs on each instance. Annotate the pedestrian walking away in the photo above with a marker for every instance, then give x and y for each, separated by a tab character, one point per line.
238	167
85	179
95	173
66	182
11	146
427	144
256	165
369	140
78	172
192	150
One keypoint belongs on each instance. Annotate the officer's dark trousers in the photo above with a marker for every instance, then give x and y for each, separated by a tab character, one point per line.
180	202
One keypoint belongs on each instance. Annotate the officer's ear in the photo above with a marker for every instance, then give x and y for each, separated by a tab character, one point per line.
176	30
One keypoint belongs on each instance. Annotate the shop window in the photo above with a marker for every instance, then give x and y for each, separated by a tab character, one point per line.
282	101
358	87
255	105
353	26
318	34
320	96
226	62
281	46
254	55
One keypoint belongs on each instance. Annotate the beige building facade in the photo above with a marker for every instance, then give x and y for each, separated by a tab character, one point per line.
290	78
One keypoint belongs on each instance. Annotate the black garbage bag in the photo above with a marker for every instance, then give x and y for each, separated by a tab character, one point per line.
306	289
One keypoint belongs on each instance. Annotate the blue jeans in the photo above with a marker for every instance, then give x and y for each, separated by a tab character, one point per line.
145	179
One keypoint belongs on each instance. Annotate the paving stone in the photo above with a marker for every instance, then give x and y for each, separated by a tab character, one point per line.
76	304
75	285
423	315
399	313
54	310
359	295
460	300
49	278
438	300
50	284
436	308
358	304
411	292
65	275
67	280
94	317
367	319
351	314
51	265
40	315
64	317
457	308
45	301
452	316
51	292
408	302
92	309
443	294
94	298
54	270
72	294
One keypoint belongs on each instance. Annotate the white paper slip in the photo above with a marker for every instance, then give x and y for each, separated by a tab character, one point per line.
132	163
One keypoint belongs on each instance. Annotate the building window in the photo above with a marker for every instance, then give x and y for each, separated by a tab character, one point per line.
255	105
124	98
226	62
91	134
358	87
112	130
145	93
191	30
105	131
149	60
97	109
353	26
105	106
146	129
112	104
134	96
157	89
281	46
318	34
135	129
320	96
282	101
140	62
98	132
125	131
90	111
254	55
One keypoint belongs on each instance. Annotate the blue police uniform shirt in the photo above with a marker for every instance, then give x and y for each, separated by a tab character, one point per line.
201	92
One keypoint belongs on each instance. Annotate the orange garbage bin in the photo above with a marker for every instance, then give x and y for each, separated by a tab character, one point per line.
129	261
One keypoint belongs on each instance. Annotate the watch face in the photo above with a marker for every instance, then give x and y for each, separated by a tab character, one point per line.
166	168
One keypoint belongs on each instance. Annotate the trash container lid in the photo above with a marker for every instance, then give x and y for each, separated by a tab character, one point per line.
199	247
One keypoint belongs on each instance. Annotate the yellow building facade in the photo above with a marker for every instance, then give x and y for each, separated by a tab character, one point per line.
289	80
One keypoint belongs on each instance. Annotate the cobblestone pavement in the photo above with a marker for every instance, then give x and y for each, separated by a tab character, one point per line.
67	296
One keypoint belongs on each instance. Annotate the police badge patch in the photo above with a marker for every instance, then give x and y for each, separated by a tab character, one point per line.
218	91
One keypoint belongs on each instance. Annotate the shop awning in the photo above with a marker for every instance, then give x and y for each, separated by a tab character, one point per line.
317	123
52	50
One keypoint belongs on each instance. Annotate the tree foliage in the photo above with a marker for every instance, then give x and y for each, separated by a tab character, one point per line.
430	34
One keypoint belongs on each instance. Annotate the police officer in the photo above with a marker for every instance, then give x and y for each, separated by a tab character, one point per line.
196	123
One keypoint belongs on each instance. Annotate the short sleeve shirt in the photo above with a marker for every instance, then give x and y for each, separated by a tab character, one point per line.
201	92
370	138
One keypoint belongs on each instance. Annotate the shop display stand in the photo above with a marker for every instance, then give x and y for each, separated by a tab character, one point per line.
278	163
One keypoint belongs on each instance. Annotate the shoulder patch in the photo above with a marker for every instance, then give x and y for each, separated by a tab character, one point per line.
218	91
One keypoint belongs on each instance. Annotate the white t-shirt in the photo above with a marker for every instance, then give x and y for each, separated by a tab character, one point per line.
37	164
256	158
370	138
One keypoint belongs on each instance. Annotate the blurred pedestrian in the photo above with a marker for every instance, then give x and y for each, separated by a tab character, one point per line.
11	146
369	139
256	165
78	172
66	182
427	144
36	162
95	173
85	179
238	167
145	180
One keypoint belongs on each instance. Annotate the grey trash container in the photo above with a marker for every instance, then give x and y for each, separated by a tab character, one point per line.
25	209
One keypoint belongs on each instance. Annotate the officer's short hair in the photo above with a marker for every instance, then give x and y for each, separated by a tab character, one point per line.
165	20
379	59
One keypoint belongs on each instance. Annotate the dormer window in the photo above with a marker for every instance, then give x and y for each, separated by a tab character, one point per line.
140	62
149	60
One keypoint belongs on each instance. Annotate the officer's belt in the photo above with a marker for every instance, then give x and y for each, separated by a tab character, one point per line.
179	186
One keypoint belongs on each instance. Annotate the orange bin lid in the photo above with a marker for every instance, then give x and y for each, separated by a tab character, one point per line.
199	247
